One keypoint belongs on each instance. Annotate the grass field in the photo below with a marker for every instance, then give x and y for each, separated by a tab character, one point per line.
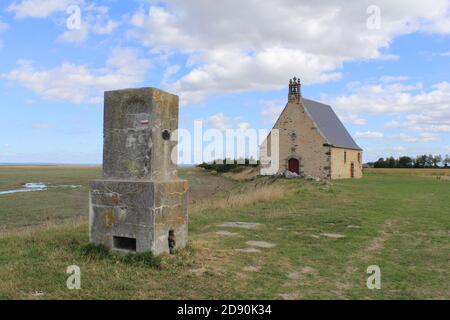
323	239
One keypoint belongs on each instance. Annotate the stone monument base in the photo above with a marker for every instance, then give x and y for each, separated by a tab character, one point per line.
139	215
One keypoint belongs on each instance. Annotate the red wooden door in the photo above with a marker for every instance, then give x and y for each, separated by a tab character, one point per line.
294	166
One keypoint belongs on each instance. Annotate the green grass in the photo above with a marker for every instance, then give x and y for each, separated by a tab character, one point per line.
98	252
55	204
404	227
23	209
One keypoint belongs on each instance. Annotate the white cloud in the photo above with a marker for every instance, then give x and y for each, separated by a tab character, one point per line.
272	110
444	54
399	149
422	116
358	121
94	18
421	110
41	125
271	114
78	83
393	78
243	126
223	122
98	19
218	121
369	134
75	35
393	124
169	72
421	137
39	8
354	119
107	28
235	45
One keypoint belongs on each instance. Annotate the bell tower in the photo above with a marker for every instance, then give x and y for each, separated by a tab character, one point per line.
294	90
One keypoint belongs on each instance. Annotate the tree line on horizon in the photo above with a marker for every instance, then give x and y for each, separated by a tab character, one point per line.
227	165
422	161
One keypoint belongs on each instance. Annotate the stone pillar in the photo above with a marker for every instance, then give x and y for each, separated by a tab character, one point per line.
140	205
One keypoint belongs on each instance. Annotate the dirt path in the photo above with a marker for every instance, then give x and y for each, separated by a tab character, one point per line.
203	184
377	244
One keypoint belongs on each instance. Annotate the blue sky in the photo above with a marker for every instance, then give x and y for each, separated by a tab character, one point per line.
387	79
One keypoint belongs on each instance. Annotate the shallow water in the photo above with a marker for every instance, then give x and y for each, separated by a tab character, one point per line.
37	186
28	187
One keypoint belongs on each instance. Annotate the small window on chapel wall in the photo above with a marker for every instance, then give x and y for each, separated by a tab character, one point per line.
345	156
359	157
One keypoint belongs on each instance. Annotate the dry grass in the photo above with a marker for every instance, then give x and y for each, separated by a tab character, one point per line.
410	171
403	227
245	174
48	225
243	197
46	167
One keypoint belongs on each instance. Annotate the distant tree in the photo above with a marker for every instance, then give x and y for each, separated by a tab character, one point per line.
421	161
370	165
391	162
405	162
380	163
436	160
429	161
446	161
227	165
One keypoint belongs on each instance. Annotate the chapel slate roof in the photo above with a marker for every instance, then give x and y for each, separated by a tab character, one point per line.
329	124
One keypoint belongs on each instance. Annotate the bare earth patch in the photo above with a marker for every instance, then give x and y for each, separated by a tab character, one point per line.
261	244
198	272
307	270
297	275
37	294
252	269
248	250
205	186
291	296
244	225
377	244
226	233
333	235
208	257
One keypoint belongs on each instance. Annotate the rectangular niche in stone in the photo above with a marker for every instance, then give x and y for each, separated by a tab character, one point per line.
140	205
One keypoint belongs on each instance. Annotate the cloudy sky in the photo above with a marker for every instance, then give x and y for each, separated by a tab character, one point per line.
383	65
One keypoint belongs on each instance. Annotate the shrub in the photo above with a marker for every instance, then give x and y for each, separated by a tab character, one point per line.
225	165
